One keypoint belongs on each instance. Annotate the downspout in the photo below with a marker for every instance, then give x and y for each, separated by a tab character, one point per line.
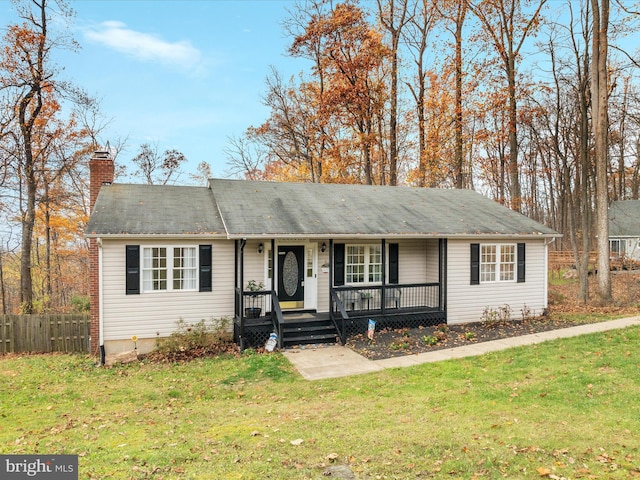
243	242
100	305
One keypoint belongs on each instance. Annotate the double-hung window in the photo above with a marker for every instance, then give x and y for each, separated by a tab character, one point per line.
617	247
169	268
497	263
363	264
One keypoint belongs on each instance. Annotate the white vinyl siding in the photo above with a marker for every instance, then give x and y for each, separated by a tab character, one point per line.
466	303
157	315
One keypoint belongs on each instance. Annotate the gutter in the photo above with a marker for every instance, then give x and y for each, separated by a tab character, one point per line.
395	236
130	236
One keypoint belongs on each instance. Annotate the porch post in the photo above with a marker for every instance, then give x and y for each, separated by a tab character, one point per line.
442	275
330	270
383	292
273	265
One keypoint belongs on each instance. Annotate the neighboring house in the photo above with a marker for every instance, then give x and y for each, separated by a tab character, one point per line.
337	254
624	230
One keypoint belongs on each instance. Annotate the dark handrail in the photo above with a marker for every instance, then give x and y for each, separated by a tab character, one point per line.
276	318
335	299
390	298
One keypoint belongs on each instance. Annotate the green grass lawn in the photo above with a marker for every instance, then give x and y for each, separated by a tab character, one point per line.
566	408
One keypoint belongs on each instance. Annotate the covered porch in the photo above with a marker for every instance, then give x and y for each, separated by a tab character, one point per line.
349	307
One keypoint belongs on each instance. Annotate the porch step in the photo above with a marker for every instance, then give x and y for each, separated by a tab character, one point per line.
301	332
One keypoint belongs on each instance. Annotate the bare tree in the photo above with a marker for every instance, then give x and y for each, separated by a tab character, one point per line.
393	16
28	85
156	168
508	28
244	158
600	114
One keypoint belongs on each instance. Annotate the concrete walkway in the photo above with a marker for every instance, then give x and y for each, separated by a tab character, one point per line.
316	363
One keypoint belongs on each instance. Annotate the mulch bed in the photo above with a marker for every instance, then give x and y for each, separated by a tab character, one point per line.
562	300
410	341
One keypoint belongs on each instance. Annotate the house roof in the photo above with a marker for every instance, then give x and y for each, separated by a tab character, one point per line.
275	209
123	209
257	209
624	218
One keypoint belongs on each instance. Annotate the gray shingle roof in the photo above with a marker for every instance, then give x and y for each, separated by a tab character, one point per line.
624	219
123	209
251	209
246	209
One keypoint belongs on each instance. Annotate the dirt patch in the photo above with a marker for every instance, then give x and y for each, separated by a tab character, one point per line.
564	311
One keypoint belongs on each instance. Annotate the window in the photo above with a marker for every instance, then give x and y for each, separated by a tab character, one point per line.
617	247
497	263
363	264
310	263
154	269
184	268
156	274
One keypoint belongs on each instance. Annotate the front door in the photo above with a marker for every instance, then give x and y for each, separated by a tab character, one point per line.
291	276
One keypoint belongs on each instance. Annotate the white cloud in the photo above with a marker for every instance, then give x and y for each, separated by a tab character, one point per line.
145	46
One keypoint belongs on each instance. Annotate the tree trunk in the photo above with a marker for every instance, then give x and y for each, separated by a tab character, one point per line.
28	222
3	293
514	177
599	102
459	158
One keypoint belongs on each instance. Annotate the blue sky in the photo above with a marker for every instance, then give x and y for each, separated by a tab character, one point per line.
182	74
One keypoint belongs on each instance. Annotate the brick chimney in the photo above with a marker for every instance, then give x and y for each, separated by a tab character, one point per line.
101	172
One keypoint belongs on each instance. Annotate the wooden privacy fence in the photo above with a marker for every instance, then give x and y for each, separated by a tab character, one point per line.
44	333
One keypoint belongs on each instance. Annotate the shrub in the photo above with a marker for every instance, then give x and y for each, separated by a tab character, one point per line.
430	340
399	345
196	340
80	303
494	317
440	335
527	313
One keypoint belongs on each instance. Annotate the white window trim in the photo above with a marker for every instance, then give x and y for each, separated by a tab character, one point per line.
498	263
169	269
367	264
622	247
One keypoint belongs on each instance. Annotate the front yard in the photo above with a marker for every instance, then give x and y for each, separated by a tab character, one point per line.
565	409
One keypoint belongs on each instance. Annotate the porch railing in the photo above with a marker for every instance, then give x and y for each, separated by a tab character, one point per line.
350	305
339	316
388	298
254	307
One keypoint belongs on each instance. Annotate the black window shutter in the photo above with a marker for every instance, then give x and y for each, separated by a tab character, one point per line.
205	268
132	269
338	264
394	273
475	264
521	263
